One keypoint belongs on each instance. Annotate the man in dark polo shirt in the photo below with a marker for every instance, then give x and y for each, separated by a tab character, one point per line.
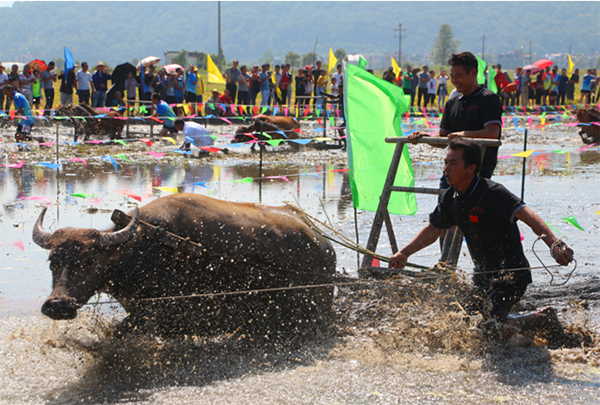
486	213
477	113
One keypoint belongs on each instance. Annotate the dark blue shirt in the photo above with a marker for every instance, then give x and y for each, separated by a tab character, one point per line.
100	79
485	213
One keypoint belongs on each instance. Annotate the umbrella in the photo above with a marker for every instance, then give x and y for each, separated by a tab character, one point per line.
119	75
543	63
148	60
37	64
534	69
173	67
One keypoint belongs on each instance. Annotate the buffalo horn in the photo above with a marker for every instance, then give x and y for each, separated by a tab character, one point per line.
41	237
122	236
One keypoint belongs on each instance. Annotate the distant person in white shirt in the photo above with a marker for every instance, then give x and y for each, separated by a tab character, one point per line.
193	133
454	94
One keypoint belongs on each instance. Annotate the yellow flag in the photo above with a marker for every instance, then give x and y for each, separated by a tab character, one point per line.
525	154
168	138
396	68
214	76
274	80
167	189
332	61
571	66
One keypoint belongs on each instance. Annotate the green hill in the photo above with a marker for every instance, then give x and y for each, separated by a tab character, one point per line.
120	31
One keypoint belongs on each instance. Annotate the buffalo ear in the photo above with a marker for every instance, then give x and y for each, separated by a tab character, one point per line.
122	236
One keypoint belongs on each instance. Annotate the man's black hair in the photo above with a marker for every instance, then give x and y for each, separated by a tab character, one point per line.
466	59
8	87
471	151
51	63
178	122
277	66
156	96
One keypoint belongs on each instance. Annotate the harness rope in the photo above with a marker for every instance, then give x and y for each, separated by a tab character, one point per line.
345	281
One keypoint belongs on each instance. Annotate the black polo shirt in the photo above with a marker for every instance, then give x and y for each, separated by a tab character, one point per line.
485	213
474	112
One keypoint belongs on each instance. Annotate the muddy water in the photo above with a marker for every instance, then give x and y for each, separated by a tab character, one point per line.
402	344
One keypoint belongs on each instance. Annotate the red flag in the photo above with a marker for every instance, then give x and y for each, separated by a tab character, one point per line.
146	141
209	149
255	110
129	194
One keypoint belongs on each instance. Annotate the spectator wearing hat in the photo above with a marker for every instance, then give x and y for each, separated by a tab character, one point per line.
3	82
100	79
231	76
212	102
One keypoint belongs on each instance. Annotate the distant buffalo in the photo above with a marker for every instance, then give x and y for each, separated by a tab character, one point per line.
109	125
589	133
272	127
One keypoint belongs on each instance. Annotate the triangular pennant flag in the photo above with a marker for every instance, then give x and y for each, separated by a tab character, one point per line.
113	161
524	154
244	180
214	74
167	189
573	221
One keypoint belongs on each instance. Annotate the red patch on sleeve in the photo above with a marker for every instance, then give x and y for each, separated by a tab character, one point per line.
474	218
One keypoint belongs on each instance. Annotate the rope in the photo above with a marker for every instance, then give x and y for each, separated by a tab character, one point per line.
546	267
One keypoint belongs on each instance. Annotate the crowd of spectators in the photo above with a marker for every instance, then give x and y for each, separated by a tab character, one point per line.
541	87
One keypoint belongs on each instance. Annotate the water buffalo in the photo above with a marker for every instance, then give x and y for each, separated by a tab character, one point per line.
270	126
589	133
242	247
109	125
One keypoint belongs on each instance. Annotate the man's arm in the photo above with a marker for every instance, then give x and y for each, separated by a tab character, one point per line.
564	254
426	237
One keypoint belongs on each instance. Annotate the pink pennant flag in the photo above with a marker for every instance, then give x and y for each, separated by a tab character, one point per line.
156	154
95	201
232	106
504	157
43	199
96	142
337	112
278	177
285	111
502	122
15	166
340	171
530	120
46	143
226	120
424	111
585	147
78	160
18	244
129	194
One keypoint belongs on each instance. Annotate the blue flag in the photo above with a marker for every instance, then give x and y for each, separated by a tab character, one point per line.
69	61
144	85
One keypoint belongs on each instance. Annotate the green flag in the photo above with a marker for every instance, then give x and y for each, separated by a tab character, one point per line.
480	70
362	63
492	81
573	221
373	109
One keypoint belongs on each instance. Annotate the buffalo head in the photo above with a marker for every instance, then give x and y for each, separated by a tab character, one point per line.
244	134
79	259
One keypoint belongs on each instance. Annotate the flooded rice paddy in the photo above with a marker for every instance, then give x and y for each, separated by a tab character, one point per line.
406	342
